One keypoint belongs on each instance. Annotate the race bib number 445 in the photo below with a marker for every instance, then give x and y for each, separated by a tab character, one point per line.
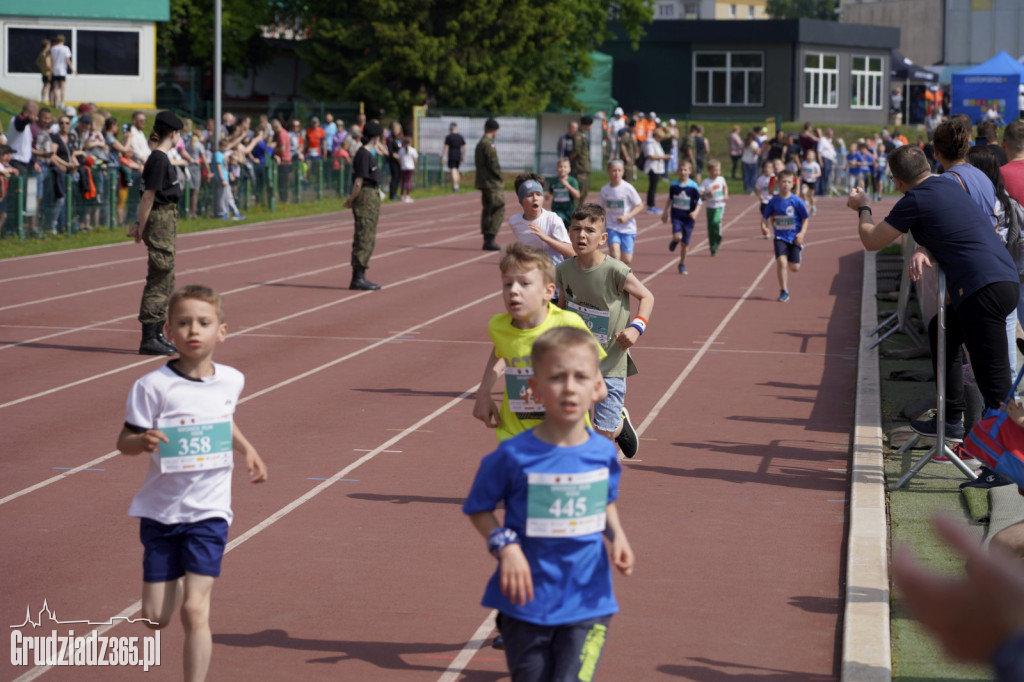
566	505
195	444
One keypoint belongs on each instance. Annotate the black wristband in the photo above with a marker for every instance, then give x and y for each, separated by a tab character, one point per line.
861	209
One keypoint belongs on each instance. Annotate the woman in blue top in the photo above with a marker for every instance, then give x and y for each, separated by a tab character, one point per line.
952	141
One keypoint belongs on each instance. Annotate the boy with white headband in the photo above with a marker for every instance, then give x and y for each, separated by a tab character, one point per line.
536	226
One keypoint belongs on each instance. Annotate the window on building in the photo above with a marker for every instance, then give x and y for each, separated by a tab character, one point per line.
93	52
821	78
24	45
732	11
728	78
666	10
750	11
866	79
691	10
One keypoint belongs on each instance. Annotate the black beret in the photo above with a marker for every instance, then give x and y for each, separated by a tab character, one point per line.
586	120
167	119
491	124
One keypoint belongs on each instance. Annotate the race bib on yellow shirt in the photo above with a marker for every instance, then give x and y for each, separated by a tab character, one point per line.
566	505
195	444
517	385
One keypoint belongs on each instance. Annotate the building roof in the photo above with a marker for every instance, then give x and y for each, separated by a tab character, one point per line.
126	10
807	31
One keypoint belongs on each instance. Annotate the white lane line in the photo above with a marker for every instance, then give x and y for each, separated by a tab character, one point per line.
280	384
287	509
474	645
307	273
300	313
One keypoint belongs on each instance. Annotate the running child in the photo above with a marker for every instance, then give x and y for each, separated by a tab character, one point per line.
181	416
527	287
809	174
407	160
622	204
558	483
787	216
683	207
854	167
599	288
536	226
714	192
563	192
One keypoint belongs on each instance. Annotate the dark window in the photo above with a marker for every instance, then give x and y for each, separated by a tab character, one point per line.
23	46
108	53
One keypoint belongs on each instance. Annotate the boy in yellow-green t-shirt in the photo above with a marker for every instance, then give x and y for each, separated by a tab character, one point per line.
527	286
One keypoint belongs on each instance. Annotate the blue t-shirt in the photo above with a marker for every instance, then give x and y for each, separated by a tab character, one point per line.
853	162
259	152
218	163
979	187
685	199
572	579
958	234
790	214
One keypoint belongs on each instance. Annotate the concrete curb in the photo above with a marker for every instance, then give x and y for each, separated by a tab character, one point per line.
866	646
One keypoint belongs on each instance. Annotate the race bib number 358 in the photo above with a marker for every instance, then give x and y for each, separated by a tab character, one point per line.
566	505
195	444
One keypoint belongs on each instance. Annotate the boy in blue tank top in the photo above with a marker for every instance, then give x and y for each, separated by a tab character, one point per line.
559	483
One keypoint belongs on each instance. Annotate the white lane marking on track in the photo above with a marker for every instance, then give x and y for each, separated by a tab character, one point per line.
280	384
217	266
290	507
249	287
307	311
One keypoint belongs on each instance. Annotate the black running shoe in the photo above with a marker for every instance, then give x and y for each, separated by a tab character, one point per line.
954	431
627	440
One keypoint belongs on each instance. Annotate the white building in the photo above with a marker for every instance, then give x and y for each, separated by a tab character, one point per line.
113	48
667	10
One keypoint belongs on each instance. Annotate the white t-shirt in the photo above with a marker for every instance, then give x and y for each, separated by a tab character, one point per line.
138	144
549	223
60	54
407	157
618	201
712	192
762	186
653	148
183	497
810	171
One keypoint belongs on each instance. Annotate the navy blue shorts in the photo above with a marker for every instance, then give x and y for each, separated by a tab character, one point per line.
559	653
788	249
173	549
684	226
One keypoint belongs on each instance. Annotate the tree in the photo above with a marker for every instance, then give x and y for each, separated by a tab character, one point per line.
513	56
802	9
187	38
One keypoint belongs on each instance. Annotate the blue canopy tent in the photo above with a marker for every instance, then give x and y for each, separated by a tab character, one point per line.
993	82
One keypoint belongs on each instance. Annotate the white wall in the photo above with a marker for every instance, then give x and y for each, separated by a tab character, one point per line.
137	91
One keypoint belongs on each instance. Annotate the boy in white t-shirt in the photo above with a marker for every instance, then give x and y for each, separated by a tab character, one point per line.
810	171
536	226
714	192
181	415
622	204
407	157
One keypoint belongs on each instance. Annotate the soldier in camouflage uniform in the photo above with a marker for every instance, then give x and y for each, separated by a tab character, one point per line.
580	157
491	186
365	204
157	226
628	150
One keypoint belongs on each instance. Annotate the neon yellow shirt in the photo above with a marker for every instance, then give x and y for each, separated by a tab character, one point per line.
518	412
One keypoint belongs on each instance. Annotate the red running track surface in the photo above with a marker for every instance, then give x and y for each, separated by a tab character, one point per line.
354	562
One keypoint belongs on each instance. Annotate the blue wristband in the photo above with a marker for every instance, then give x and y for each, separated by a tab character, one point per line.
638	328
500	538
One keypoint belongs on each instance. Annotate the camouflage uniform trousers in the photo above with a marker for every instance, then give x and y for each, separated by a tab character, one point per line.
493	211
160	236
629	172
366	212
583	180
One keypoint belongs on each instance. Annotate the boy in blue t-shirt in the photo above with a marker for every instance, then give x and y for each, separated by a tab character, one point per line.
786	214
558	482
683	207
855	167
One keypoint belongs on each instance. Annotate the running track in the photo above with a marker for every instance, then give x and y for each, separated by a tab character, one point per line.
354	562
